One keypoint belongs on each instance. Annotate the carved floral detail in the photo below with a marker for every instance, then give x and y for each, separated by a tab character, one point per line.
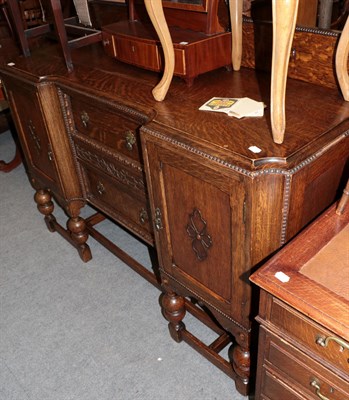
201	240
119	173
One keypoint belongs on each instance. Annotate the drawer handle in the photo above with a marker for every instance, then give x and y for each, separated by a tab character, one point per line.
106	42
317	386
85	118
324	342
130	139
143	216
100	188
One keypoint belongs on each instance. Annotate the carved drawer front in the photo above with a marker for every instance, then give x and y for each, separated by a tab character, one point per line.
138	52
104	125
300	371
320	341
128	207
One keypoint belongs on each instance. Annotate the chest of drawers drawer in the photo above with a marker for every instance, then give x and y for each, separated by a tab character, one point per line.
310	335
301	373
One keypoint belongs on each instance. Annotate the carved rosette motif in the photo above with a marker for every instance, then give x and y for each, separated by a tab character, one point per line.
201	240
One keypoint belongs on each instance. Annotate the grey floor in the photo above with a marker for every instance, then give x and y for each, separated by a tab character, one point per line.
76	331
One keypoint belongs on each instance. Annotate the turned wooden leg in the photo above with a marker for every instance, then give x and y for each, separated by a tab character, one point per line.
342	61
174	311
156	15
78	232
45	205
235	7
284	23
240	359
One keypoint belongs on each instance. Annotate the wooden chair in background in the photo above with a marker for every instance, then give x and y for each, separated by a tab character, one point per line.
69	32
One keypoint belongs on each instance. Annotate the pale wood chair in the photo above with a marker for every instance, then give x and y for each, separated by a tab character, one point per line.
343	200
284	22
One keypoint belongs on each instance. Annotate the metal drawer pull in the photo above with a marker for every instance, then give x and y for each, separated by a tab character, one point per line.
317	386
324	342
106	42
50	155
143	216
85	118
100	188
130	139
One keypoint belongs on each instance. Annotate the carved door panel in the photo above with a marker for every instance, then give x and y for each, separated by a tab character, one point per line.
198	217
32	130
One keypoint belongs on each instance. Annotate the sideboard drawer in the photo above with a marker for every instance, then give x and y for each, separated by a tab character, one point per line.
118	201
298	369
309	334
105	125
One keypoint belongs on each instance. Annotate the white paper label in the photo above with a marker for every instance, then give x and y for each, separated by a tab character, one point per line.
282	277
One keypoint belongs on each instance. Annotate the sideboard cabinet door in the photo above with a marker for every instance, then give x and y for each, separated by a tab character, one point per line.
198	216
31	127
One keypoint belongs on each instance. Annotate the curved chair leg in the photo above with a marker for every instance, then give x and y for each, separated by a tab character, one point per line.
235	7
156	15
284	23
342	61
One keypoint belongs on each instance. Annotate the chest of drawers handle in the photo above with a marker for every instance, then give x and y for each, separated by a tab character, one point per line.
323	342
317	387
84	118
130	139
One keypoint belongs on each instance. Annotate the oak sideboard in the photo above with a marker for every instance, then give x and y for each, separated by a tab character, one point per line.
212	194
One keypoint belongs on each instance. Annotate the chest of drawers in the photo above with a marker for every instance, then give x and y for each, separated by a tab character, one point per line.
304	314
